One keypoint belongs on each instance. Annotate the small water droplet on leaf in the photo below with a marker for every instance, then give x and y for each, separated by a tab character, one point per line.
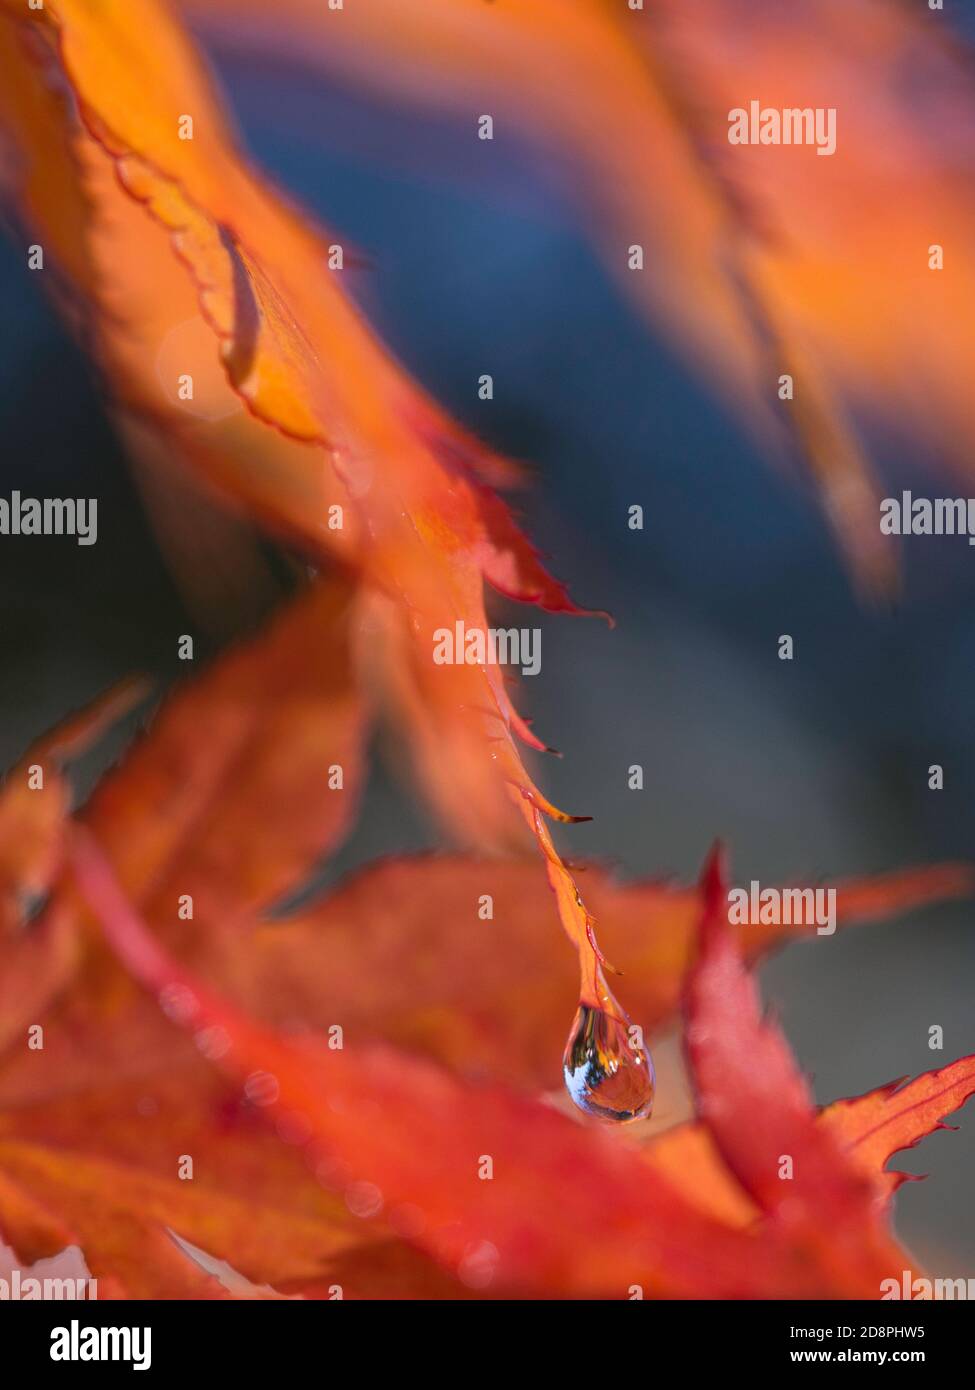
604	1073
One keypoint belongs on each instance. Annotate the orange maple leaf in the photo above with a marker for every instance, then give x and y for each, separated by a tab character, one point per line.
759	261
116	1095
297	352
168	249
399	1137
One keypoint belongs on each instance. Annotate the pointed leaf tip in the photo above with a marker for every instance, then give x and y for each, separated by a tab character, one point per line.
714	879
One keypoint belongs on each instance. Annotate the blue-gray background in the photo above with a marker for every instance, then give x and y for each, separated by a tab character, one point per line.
807	769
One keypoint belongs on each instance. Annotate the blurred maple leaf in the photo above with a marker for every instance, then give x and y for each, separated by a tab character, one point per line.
426	533
757	261
224	806
92	1125
572	1212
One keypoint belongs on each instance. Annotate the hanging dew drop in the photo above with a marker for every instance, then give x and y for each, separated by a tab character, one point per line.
604	1074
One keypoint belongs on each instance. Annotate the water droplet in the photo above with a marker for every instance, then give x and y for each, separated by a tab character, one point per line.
605	1074
214	1042
261	1088
364	1199
478	1265
178	1003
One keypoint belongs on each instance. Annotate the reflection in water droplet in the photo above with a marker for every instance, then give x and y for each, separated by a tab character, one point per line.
604	1073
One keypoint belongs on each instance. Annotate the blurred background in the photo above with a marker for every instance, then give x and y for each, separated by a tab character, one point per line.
808	769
